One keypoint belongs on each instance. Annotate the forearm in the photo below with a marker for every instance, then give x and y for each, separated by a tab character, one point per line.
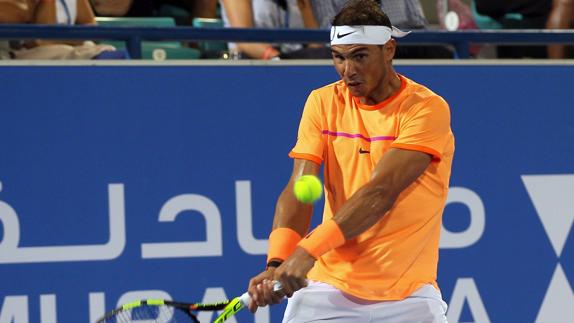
258	50
393	173
364	209
292	218
290	213
290	224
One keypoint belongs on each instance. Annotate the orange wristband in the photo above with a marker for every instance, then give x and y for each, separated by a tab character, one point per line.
282	243
325	237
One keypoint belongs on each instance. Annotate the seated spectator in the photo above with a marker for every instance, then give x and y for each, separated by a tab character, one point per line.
65	12
561	17
196	8
13	12
518	14
151	8
111	8
16	11
405	14
261	14
462	11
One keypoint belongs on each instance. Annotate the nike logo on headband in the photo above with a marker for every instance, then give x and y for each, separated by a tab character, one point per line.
339	35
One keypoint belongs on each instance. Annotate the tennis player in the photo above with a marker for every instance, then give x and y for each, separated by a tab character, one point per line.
386	146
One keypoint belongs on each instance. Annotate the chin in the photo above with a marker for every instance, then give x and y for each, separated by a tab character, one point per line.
357	92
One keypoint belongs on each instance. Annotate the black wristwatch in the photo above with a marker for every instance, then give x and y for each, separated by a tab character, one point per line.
274	264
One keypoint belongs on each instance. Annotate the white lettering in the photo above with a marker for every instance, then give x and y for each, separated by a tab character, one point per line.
557	305
48	309
11	253
475	230
247	241
97	306
552	198
213	244
14	310
465	289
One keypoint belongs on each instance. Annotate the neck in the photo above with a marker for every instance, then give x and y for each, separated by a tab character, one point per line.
389	85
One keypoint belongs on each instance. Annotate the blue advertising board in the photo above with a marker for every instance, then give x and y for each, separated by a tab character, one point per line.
127	182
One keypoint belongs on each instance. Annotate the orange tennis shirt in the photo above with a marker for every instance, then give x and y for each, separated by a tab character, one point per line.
399	254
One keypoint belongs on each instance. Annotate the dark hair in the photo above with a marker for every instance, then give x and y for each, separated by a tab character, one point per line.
361	13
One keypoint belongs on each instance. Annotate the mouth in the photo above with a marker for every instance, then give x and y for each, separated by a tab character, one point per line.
353	83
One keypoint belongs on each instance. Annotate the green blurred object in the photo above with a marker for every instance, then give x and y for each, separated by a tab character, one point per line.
157	50
181	16
486	22
210	49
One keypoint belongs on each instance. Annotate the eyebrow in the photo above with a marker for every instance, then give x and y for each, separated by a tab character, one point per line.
352	52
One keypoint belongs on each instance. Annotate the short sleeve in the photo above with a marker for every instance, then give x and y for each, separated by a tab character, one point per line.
310	142
425	127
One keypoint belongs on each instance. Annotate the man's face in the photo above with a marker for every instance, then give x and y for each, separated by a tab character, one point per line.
363	67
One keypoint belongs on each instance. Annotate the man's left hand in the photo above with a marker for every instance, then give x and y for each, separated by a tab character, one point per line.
292	274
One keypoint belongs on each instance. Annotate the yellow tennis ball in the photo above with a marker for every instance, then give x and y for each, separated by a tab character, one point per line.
308	189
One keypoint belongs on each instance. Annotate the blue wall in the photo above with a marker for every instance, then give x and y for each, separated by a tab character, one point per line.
209	145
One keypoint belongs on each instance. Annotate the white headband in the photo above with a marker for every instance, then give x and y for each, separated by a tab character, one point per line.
367	35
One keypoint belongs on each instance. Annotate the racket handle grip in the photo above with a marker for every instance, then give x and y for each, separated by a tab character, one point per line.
245	298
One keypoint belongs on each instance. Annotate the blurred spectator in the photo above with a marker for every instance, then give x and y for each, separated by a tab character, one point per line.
16	11
113	8
463	13
518	14
196	8
183	11
404	14
13	12
261	14
561	17
531	13
65	12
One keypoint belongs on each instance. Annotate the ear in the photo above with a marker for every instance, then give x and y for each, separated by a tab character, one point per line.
389	50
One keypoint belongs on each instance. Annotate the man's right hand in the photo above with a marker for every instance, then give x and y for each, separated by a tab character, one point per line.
261	290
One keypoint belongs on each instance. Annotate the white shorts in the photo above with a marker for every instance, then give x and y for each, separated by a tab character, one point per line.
320	302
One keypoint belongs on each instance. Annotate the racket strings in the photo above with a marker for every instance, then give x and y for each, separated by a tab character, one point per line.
152	314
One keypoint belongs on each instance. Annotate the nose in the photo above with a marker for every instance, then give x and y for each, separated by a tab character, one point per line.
349	69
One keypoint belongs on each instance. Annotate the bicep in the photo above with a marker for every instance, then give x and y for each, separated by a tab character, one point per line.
398	168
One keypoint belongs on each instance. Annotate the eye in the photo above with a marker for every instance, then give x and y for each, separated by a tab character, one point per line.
338	57
360	57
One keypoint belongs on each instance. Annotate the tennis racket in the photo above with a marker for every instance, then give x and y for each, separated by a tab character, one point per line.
164	311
